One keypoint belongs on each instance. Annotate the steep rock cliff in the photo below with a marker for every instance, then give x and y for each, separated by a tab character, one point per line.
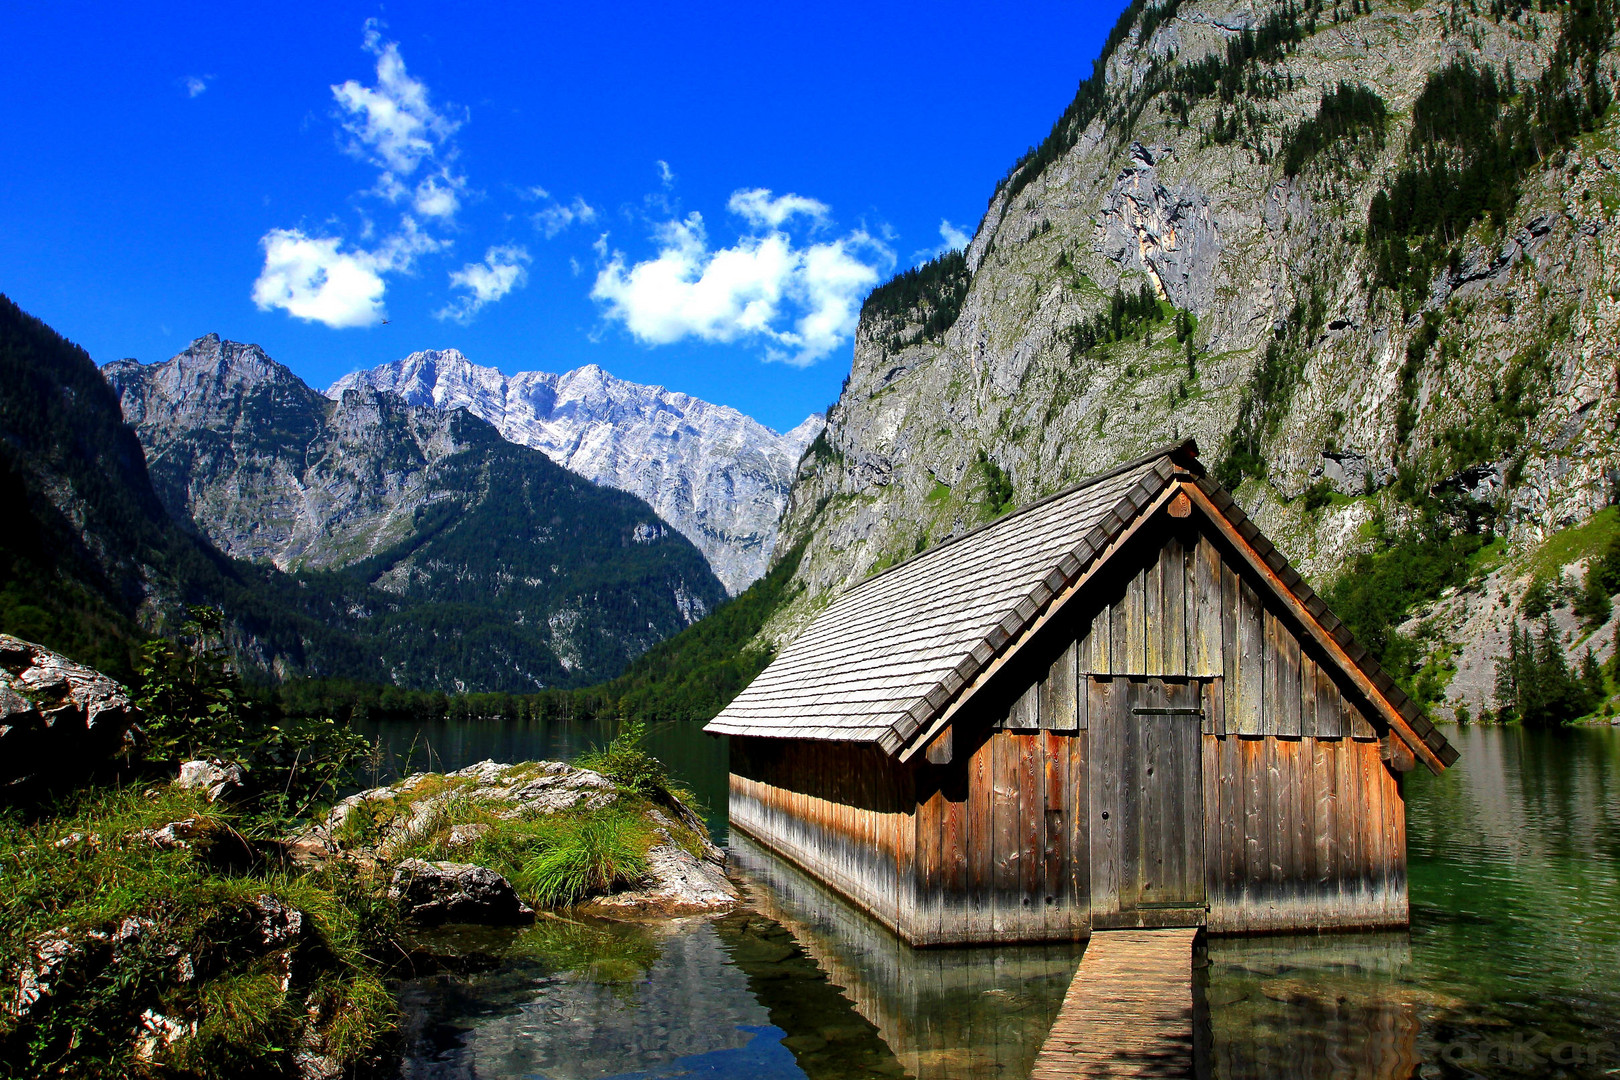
1331	381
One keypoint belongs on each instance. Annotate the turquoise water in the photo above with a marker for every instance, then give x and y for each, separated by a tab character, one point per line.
1511	968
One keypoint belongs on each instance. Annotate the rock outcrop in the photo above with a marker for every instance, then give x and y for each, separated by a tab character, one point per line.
428	812
216	779
718	476
439	892
60	722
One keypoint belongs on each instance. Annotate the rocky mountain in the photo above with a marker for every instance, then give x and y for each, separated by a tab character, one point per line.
455	559
717	475
1363	252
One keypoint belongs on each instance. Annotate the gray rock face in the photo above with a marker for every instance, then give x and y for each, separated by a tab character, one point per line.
560	581
718	476
267	468
1216	227
382	823
437	892
60	722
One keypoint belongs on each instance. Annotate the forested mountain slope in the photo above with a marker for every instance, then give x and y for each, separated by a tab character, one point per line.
1364	253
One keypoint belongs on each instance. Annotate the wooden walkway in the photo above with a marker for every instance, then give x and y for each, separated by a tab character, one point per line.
1129	1010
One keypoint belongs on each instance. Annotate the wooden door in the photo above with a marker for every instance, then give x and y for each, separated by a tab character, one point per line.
1147	808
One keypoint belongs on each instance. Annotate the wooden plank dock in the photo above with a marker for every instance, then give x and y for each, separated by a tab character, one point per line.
1129	1010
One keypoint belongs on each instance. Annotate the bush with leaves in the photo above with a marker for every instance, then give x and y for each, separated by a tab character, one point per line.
627	763
196	706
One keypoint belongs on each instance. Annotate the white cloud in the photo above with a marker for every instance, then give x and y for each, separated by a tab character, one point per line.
501	271
393	125
195	84
666	175
756	206
952	238
310	278
800	301
554	219
439	196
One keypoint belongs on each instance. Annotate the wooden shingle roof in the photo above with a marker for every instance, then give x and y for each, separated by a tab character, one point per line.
891	654
893	651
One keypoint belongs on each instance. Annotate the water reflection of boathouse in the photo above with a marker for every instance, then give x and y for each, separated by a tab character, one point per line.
1116	707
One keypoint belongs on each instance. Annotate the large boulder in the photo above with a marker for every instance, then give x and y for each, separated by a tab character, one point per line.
60	722
685	872
438	892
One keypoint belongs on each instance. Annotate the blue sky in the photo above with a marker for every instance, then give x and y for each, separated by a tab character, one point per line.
697	196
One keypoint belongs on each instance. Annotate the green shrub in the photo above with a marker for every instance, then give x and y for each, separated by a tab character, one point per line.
626	762
1380	587
1538	599
196	706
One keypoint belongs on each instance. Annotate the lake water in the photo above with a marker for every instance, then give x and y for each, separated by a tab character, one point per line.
1511	968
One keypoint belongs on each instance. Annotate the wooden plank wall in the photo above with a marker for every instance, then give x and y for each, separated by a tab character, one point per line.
1001	841
1181	608
1302	834
846	812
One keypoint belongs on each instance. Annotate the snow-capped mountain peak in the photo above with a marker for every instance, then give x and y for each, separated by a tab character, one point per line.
717	475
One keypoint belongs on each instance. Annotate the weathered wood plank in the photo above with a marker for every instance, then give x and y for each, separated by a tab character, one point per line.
1307	695
1209	747
1286	653
1135	625
1231	606
1329	714
1205	611
1257	856
1155	647
980	842
1080	755
1128	1011
1055	895
1174	565
1032	834
1005	880
1102	641
1251	706
1119	660
1324	836
1105	782
1025	712
1057	688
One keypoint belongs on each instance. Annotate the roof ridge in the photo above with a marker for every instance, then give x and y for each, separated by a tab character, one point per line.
1189	446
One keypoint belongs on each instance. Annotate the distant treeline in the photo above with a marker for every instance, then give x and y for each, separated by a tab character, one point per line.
690	676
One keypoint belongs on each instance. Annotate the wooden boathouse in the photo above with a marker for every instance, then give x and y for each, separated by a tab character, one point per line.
1116	707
